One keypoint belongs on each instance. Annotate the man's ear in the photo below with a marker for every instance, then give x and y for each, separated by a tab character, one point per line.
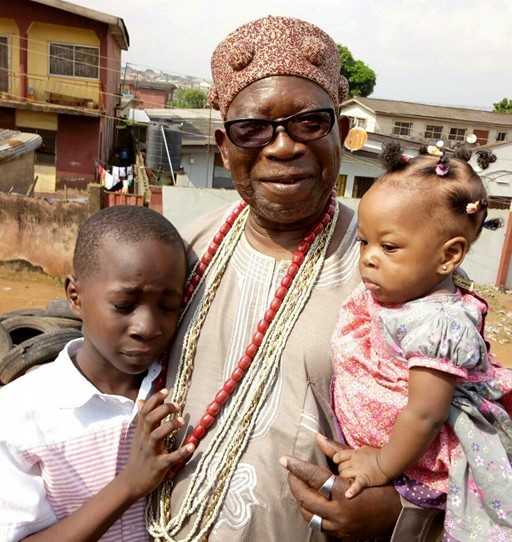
344	127
454	251
72	288
221	139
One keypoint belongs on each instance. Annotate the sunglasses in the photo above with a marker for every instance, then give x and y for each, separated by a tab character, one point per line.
256	133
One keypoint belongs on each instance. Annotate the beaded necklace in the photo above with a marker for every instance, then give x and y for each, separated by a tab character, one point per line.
218	463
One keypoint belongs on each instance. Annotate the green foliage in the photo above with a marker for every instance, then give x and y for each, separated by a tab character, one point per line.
361	78
505	106
189	98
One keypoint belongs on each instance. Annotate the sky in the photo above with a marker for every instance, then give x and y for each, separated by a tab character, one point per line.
447	52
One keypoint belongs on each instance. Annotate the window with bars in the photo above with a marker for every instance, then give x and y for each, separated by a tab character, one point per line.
74	60
457	134
501	136
433	132
402	128
4	64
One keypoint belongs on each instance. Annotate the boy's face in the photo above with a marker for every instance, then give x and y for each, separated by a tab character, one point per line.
129	306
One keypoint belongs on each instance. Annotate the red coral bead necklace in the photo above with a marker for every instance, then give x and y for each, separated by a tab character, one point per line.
252	348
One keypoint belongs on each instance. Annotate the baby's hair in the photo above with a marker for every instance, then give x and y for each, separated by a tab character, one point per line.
453	193
122	223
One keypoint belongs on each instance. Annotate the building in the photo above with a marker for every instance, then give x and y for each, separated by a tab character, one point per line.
17	161
150	94
428	123
60	71
199	163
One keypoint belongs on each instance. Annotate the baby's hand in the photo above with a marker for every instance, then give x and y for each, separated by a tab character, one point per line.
149	460
362	466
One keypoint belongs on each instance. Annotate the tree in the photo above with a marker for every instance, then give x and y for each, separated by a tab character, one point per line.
189	98
361	78
505	106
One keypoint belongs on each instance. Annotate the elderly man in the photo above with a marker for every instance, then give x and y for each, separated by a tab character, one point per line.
251	365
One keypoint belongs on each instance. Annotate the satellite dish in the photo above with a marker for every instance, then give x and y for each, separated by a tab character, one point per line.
356	139
471	138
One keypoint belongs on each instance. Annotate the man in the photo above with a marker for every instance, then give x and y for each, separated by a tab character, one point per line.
251	365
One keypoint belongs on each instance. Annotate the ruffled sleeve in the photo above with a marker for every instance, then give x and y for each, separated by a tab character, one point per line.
448	341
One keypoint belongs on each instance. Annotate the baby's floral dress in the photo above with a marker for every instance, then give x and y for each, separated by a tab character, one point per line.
468	466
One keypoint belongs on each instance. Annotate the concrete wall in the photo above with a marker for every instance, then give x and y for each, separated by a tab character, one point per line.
42	233
17	175
182	205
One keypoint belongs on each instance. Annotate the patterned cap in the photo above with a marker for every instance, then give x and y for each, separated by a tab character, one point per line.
274	46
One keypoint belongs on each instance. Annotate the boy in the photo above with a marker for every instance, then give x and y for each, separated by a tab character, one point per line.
80	446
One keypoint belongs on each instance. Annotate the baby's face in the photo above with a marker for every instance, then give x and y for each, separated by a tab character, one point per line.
400	249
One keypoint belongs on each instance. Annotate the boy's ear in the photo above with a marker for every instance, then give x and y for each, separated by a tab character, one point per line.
72	288
454	251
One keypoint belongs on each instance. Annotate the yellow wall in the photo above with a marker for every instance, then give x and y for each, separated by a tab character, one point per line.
36	119
46	174
46	178
39	36
9	28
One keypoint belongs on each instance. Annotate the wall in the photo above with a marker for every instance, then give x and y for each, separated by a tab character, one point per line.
181	205
77	149
17	175
9	28
42	233
198	165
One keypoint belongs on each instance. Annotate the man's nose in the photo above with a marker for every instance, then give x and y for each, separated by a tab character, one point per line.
283	146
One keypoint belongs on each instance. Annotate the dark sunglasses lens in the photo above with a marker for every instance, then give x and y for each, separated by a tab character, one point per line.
311	125
250	133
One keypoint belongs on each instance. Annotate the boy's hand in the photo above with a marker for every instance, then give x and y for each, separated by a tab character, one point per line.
149	459
362	467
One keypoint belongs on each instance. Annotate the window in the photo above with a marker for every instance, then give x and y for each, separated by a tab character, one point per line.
74	60
457	134
4	64
46	153
357	122
402	128
433	132
361	186
502	136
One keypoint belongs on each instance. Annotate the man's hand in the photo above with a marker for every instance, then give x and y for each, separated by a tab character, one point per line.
372	514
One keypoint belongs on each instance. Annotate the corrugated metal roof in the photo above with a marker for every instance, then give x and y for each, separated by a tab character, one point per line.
197	125
14	144
409	109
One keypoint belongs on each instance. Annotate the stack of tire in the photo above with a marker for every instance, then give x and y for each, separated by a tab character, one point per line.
31	337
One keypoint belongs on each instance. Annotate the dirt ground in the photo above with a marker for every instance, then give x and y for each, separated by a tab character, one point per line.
25	289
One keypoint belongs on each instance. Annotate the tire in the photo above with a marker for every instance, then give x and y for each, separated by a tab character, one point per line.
5	341
60	308
23	312
22	328
34	351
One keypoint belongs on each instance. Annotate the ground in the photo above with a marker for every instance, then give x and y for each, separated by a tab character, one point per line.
22	288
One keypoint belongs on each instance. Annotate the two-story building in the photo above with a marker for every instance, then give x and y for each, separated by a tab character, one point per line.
428	123
60	72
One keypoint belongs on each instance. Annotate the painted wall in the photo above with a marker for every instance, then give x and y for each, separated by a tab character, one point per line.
198	166
182	205
39	37
77	149
9	28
